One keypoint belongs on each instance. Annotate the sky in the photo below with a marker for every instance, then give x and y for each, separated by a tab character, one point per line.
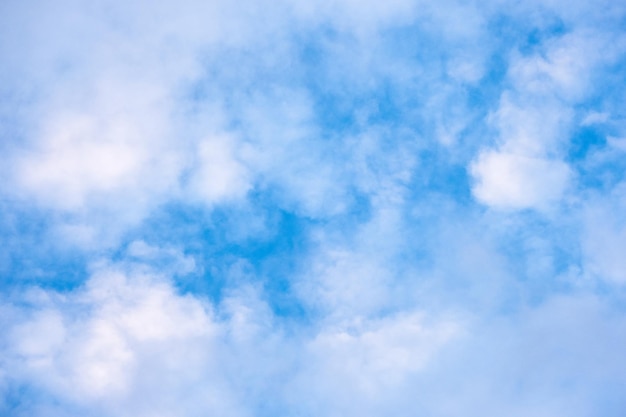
313	208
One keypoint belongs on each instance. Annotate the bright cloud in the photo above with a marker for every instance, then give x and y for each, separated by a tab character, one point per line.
517	181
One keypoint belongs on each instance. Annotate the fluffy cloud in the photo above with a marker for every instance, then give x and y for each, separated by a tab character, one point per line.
121	336
512	181
129	344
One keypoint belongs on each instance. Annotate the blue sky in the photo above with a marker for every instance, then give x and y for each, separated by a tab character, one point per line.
313	208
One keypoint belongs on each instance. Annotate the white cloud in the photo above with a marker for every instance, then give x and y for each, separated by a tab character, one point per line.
525	169
110	131
510	181
129	345
382	351
347	277
542	362
127	342
370	360
219	176
285	152
82	157
534	119
565	68
531	126
345	284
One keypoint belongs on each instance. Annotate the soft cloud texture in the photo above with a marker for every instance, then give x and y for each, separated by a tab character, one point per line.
518	181
312	208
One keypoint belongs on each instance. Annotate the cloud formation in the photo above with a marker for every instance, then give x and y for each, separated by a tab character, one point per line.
312	208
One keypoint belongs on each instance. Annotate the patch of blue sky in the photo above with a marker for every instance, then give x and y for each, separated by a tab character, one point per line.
603	170
584	142
29	254
542	256
439	173
23	400
259	244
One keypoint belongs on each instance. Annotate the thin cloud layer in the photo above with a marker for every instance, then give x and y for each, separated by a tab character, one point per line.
312	208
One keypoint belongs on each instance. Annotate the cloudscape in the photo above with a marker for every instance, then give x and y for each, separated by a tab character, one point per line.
313	208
